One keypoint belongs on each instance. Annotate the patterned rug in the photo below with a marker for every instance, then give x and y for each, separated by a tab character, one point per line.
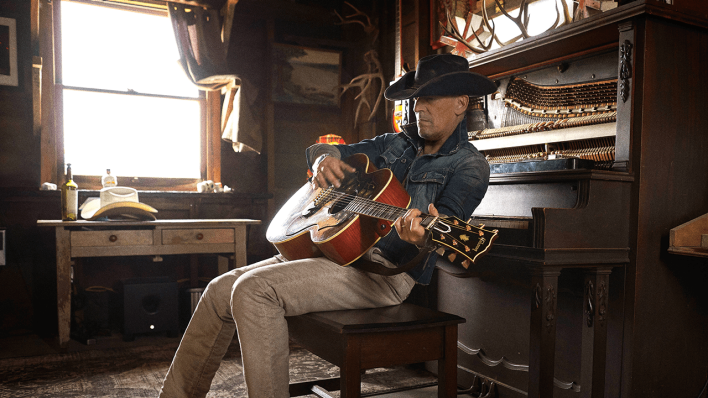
138	372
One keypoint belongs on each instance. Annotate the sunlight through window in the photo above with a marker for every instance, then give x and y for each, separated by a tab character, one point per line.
128	105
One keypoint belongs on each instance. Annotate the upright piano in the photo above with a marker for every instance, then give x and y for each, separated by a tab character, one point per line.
592	137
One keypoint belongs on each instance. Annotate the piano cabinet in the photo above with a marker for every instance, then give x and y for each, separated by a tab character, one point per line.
579	296
583	234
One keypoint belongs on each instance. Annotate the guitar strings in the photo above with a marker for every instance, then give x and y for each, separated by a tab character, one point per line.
379	208
339	197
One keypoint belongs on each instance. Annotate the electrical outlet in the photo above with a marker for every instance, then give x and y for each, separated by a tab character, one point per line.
2	247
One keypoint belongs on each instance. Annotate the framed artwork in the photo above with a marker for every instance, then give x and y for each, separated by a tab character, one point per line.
304	75
8	52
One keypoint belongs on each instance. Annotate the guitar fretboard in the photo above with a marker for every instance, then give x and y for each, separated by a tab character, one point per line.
450	234
371	208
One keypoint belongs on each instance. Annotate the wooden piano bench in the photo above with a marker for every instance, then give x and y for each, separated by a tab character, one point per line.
356	340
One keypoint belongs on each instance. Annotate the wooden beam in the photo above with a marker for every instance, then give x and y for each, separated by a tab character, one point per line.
213	155
46	51
270	123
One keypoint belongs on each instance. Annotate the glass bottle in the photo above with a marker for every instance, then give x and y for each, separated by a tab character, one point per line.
109	180
69	197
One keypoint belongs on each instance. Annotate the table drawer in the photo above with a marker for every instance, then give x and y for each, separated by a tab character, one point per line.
196	236
112	238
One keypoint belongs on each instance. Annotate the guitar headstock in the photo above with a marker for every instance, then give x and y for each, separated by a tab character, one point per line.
463	244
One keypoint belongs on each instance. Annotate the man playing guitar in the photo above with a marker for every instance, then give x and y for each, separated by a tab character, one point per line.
441	172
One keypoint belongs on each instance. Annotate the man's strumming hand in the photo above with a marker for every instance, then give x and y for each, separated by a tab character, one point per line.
329	171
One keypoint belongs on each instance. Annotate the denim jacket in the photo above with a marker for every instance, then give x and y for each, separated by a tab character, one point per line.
454	179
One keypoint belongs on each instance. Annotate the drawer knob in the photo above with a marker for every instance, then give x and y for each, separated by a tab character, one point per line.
113	238
200	236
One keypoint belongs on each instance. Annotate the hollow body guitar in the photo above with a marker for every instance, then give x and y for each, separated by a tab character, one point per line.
343	223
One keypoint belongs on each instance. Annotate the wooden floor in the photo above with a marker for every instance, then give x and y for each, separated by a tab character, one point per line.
26	345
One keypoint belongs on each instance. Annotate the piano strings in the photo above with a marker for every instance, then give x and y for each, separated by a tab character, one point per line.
600	150
531	108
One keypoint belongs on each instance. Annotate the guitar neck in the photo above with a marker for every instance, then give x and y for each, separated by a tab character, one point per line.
382	211
464	243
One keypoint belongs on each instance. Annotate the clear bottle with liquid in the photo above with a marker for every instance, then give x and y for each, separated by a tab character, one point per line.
109	180
69	197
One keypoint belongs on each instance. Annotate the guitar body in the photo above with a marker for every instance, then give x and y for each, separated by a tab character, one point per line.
310	224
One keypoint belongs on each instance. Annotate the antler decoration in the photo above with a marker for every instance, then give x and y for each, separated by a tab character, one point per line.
369	28
365	83
474	43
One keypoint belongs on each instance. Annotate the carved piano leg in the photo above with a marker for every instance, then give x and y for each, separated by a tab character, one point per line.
543	331
594	337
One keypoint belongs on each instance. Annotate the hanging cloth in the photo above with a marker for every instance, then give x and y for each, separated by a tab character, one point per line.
203	42
239	125
202	49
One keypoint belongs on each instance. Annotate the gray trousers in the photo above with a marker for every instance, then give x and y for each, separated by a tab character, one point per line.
255	301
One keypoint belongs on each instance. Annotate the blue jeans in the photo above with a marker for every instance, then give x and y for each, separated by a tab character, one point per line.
255	301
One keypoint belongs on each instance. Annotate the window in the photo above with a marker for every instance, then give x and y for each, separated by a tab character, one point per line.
542	15
127	104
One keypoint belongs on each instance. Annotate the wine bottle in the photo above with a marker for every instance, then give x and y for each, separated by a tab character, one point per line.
108	179
69	197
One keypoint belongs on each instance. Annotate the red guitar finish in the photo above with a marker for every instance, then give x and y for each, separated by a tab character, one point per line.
340	223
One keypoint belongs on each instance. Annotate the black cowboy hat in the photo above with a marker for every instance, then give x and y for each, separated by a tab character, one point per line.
440	75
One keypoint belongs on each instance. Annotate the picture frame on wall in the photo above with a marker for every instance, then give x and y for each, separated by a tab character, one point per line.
303	75
8	52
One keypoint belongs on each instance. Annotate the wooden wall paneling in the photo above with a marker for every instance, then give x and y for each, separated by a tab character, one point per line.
17	140
409	33
423	16
270	121
247	58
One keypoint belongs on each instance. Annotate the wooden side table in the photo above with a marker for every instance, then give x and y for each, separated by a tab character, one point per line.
140	238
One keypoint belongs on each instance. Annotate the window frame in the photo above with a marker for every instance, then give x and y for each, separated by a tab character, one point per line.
52	148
